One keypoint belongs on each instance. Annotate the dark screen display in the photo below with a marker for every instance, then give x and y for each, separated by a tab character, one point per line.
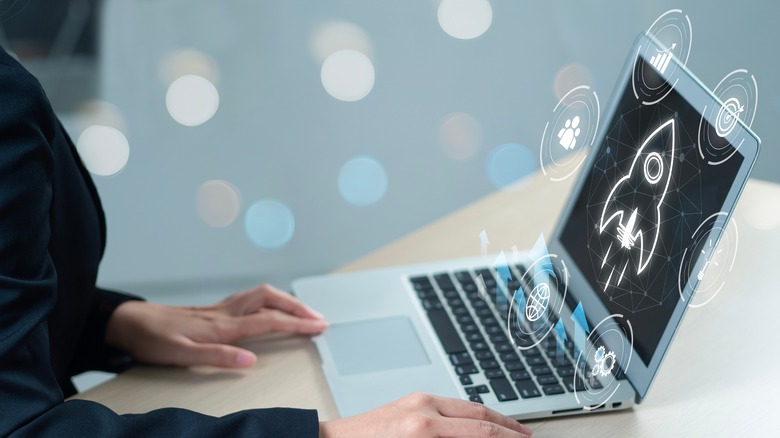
647	192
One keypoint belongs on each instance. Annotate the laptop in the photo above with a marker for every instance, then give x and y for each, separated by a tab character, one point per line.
581	322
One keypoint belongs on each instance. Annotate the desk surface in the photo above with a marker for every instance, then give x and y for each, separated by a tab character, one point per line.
720	377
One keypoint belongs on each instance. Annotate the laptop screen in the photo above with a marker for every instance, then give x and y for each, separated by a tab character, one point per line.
644	197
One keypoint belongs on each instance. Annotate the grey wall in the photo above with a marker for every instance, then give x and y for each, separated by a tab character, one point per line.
278	134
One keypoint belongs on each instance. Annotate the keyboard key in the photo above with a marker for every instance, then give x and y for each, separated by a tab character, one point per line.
476	398
426	293
527	389
541	370
488	364
466	380
514	365
498	338
463	358
485	355
492	329
478	346
531	352
449	338
565	371
444	281
494	373
456	303
505	346
469	328
431	304
421	283
471	390
509	356
475	337
451	294
478	304
503	389
549	379
466	369
535	361
553	389
519	375
482	389
458	311
464	319
484	313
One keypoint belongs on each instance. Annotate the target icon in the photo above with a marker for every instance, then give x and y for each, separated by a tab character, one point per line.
727	117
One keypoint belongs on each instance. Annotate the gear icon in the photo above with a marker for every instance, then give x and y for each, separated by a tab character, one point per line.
609	358
604	362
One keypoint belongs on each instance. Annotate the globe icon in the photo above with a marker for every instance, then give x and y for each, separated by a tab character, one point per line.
537	302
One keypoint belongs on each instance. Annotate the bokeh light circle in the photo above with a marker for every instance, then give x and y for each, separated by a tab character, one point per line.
465	19
347	75
570	77
269	224
362	181
510	163
103	149
218	203
333	36
192	100
460	136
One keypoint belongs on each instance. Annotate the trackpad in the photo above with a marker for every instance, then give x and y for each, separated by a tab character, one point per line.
375	345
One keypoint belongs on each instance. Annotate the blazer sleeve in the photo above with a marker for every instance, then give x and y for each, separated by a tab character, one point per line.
31	402
92	352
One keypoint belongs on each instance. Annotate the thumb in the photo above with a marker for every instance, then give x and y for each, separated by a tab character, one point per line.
219	355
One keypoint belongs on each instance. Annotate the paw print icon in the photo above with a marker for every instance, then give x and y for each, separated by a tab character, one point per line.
567	136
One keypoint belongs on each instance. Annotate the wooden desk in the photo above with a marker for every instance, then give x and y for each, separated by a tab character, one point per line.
720	378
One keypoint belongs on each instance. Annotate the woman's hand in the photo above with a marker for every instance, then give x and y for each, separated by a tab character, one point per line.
184	336
421	416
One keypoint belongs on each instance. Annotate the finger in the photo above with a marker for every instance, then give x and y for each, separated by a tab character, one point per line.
450	407
467	427
268	321
219	355
276	299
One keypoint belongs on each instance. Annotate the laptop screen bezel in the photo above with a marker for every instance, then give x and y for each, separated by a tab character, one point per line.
639	375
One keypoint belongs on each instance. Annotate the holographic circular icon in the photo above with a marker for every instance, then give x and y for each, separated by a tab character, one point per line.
571	130
600	365
708	260
538	303
738	92
673	32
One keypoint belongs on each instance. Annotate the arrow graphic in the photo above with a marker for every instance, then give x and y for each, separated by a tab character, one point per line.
504	275
561	338
515	254
483	238
580	327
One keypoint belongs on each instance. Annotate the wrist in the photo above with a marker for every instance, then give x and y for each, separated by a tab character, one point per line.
120	325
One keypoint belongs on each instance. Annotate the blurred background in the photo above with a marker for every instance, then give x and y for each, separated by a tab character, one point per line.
239	142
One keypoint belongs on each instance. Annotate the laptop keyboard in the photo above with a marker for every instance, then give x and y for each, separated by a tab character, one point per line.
470	322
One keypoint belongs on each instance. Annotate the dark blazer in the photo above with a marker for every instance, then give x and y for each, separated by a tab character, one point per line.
52	316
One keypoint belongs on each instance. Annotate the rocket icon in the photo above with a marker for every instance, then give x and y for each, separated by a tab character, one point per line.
631	218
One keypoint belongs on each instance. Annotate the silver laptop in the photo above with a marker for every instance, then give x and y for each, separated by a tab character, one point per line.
581	322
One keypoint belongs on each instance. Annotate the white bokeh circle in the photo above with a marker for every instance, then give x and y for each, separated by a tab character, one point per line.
192	100
465	19
104	150
347	75
218	203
